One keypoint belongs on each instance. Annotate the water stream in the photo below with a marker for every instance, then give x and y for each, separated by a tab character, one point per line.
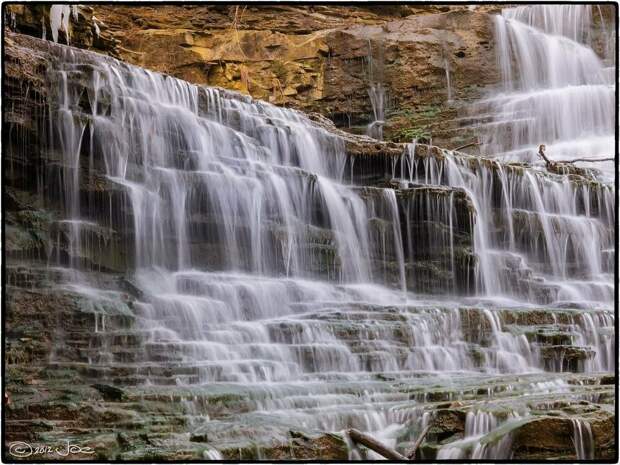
376	90
556	90
265	271
446	65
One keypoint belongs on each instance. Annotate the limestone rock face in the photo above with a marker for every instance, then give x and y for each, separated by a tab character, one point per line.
319	58
315	58
85	30
554	436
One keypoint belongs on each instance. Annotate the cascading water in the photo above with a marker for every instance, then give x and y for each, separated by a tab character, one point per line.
556	90
573	229
376	91
478	425
446	65
582	438
265	275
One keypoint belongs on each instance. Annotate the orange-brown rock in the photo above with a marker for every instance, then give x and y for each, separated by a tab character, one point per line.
315	58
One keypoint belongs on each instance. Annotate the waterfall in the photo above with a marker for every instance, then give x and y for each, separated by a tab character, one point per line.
275	288
212	454
264	185
582	439
237	207
59	20
446	65
376	91
479	425
556	90
566	262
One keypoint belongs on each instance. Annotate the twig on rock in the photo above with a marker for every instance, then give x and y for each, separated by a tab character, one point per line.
471	144
592	160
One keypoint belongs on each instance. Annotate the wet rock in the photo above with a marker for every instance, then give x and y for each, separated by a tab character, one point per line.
110	393
315	61
604	435
553	437
544	437
566	358
85	30
199	437
123	440
309	447
447	423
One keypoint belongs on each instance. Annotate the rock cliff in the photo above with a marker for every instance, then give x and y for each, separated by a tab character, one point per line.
85	365
104	364
320	58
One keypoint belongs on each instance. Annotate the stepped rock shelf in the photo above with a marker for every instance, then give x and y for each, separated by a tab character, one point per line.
196	275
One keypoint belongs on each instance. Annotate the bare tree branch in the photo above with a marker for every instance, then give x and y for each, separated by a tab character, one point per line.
592	160
541	153
418	442
471	144
365	440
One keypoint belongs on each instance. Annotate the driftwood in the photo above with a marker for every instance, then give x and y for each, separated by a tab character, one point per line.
390	454
374	445
471	144
551	164
592	160
418	442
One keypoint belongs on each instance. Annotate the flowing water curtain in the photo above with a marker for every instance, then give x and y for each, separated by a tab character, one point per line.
537	237
377	91
556	90
279	174
257	264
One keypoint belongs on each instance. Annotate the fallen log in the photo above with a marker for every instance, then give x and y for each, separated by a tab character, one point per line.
471	144
418	442
374	445
592	160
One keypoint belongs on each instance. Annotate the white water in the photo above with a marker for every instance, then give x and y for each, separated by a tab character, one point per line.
556	90
446	65
261	268
559	244
478	425
376	90
583	440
